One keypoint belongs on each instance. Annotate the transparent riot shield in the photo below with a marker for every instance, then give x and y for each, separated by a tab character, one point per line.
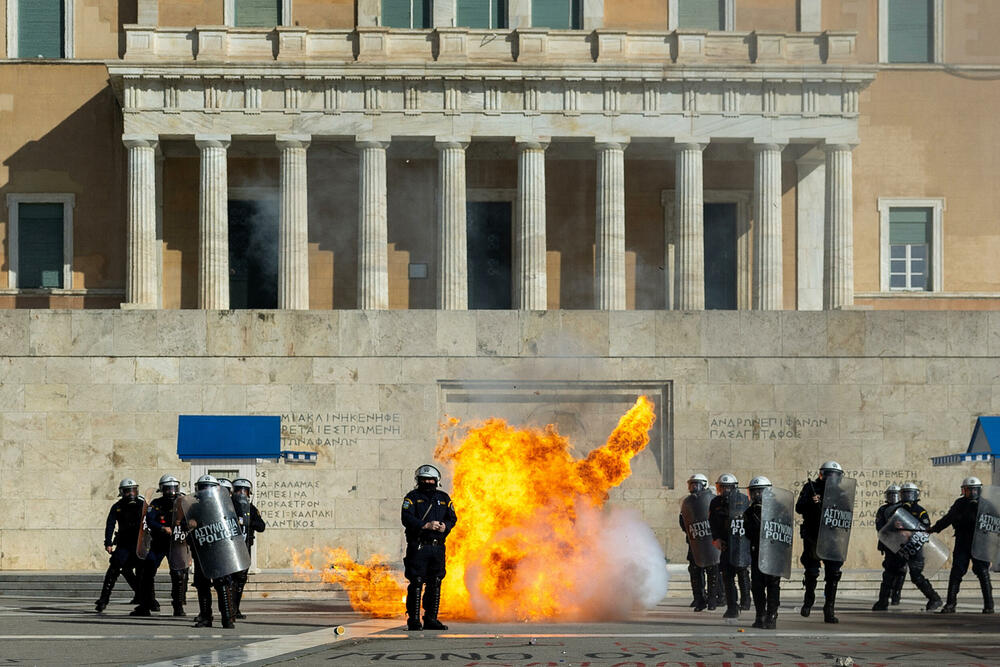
145	540
905	536
694	511
986	539
213	532
738	547
836	519
179	554
777	524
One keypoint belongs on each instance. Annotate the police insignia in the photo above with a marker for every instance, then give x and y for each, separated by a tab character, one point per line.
407	504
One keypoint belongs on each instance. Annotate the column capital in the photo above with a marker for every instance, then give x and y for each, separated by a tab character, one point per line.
690	144
769	144
832	146
611	143
140	140
532	143
293	140
372	141
443	143
213	140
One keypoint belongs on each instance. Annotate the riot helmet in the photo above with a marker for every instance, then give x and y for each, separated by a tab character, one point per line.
726	482
892	494
757	486
242	485
831	469
204	482
226	484
128	488
427	477
169	486
909	493
971	487
697	482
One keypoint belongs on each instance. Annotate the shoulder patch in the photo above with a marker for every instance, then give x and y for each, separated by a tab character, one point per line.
407	504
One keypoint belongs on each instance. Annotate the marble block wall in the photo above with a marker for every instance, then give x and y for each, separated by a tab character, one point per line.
89	397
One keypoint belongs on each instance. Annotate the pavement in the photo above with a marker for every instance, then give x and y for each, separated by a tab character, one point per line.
66	631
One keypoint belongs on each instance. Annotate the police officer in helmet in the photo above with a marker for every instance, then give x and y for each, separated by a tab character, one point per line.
810	506
159	521
766	587
962	517
223	585
252	523
896	565
700	576
720	517
428	516
889	579
126	514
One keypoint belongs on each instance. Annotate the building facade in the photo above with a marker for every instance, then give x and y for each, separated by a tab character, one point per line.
225	206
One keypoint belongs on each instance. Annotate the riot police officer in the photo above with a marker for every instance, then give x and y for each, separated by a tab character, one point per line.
766	587
810	506
252	524
887	588
724	518
962	517
202	584
895	565
159	521
699	575
428	516
126	514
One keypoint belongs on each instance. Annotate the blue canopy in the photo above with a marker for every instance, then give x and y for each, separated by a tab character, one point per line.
228	437
983	446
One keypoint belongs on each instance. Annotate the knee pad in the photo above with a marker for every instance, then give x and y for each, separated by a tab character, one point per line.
811	573
980	568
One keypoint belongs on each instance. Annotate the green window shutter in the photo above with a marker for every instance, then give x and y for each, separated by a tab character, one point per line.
910	225
474	13
258	13
700	14
499	14
423	14
911	35
40	29
396	13
40	245
554	14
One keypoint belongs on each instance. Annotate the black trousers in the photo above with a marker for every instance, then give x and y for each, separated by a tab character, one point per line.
766	592
424	568
147	575
811	562
730	584
960	559
123	562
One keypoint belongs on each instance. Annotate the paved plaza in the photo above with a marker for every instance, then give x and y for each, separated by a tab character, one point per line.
63	631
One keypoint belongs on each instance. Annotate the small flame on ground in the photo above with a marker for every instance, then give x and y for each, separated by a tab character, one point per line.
372	587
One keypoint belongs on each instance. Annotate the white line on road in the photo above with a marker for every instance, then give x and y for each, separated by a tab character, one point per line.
700	635
132	637
274	647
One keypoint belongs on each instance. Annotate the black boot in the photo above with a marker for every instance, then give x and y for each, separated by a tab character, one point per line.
431	603
712	579
830	592
204	619
224	589
720	588
697	576
109	585
176	593
987	587
238	585
732	599
743	578
954	583
809	598
897	589
884	591
413	592
925	587
184	586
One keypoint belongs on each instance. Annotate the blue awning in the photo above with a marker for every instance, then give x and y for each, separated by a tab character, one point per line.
983	446
228	437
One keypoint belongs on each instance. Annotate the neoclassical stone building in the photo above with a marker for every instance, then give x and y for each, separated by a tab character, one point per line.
364	215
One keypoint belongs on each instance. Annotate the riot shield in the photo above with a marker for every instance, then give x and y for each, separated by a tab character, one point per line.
986	539
213	533
242	506
738	547
777	523
145	540
904	535
836	519
694	510
179	554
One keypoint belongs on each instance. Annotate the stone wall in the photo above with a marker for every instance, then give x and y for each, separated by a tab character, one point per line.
89	397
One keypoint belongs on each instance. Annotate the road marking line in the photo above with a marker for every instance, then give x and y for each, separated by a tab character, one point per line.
274	647
696	635
131	637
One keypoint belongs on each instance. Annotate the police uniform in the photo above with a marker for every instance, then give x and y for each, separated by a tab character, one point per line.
766	587
252	523
962	517
424	563
126	514
809	531
891	582
720	520
159	517
700	577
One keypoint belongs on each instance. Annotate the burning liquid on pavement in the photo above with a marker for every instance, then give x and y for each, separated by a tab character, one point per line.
533	539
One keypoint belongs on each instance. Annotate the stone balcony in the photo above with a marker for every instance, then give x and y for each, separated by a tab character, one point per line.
456	46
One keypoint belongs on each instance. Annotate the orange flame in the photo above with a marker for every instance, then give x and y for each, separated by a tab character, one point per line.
530	531
372	587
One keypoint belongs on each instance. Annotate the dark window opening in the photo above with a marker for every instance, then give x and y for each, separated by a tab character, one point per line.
253	254
488	225
720	256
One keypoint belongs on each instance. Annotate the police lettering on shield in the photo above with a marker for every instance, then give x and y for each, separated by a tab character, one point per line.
834	518
226	529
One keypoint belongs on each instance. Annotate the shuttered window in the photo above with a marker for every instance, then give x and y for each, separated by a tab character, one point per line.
40	28
909	247
482	13
701	14
556	14
39	245
407	14
258	13
911	31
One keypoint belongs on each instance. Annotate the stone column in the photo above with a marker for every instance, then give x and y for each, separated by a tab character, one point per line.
768	285
293	224
809	196
453	281
689	265
530	277
213	223
373	233
142	281
609	256
838	247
